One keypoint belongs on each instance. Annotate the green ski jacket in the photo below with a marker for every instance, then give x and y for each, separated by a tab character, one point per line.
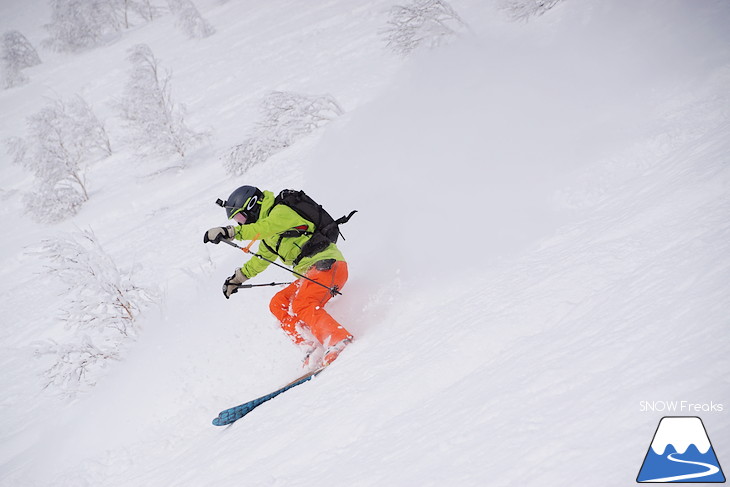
272	222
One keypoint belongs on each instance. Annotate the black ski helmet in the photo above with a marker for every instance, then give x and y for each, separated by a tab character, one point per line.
246	200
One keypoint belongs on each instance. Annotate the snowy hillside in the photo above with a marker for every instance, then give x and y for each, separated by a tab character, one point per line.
542	243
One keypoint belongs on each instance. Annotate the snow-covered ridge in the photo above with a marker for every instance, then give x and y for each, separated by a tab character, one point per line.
681	432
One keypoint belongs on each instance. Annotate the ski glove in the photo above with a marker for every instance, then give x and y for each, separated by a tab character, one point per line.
232	283
217	234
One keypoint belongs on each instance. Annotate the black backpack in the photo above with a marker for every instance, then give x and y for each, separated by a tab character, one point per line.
326	228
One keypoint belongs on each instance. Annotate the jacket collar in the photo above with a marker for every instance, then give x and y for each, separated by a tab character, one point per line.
267	204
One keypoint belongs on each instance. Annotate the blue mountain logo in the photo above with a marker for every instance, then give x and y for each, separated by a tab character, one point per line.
681	452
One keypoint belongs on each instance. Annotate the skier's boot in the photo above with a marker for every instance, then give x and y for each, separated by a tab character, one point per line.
312	355
333	351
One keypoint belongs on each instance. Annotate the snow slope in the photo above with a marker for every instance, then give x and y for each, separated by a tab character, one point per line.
542	242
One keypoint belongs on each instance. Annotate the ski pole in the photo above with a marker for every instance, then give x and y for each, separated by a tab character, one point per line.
249	286
247	250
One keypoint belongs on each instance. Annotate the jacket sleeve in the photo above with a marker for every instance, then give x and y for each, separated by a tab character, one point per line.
254	265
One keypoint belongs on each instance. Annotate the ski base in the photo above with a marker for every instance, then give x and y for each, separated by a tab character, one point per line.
228	416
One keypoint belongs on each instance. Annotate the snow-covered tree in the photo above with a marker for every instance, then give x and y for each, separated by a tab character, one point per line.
126	11
525	9
81	24
101	307
63	138
98	295
86	127
189	20
422	23
75	367
16	54
146	9
156	124
286	117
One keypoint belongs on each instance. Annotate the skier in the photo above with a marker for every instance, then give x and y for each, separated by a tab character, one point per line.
283	233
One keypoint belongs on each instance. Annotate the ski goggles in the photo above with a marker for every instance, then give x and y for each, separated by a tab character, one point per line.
239	218
241	215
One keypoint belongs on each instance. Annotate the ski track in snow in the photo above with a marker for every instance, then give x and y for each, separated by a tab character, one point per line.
711	470
543	241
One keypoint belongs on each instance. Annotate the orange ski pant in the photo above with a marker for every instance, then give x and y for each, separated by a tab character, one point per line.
302	302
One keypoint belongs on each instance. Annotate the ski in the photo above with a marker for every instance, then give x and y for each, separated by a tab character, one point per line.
228	416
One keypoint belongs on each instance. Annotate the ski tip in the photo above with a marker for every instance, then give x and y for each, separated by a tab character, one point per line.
224	420
232	415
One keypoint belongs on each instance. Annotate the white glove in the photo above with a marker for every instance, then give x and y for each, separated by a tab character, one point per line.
217	234
232	283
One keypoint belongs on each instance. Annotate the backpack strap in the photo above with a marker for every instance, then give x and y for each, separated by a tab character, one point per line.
291	233
345	219
319	241
271	249
340	221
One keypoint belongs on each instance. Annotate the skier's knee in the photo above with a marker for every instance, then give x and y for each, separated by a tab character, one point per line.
304	310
